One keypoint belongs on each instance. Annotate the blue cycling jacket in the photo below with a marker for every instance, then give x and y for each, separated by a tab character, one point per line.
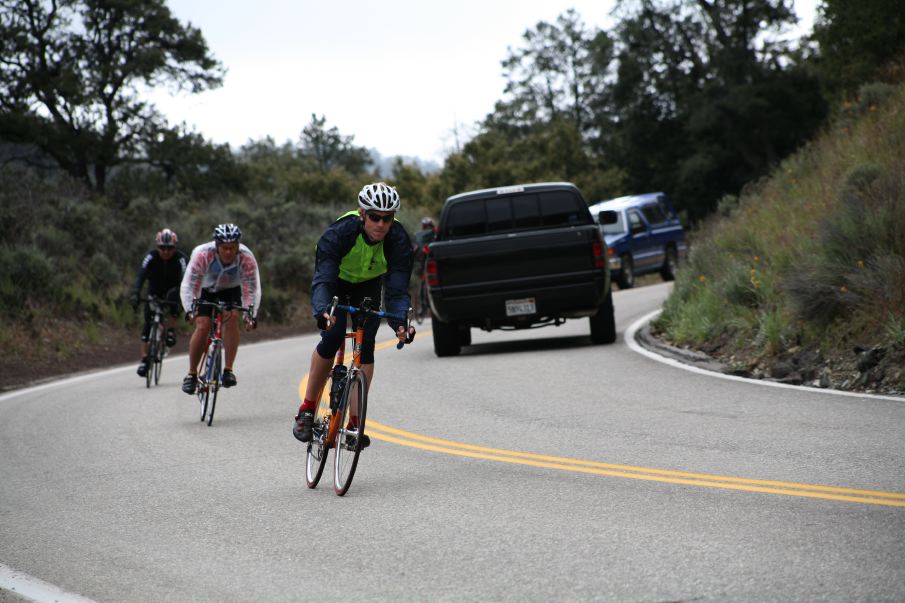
344	251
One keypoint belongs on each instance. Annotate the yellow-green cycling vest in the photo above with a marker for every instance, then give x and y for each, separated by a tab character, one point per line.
363	262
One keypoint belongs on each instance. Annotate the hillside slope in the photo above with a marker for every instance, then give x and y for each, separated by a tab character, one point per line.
802	278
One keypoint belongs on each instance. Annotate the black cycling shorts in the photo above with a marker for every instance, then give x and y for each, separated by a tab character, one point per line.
351	294
231	296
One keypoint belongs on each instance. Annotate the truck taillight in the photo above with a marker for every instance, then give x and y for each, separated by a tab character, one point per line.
599	258
433	275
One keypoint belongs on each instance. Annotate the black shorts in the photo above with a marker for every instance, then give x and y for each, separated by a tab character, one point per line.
351	294
231	296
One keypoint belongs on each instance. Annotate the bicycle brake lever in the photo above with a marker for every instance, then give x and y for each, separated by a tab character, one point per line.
333	307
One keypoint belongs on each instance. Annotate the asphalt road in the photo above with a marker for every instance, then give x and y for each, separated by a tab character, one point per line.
535	466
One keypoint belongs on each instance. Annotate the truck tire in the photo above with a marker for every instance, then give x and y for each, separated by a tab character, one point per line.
446	338
626	278
464	336
670	264
603	324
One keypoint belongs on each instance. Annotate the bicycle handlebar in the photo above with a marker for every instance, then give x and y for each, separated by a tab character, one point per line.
407	319
223	306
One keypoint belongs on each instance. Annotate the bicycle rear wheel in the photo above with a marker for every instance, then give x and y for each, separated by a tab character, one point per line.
215	378
351	427
318	447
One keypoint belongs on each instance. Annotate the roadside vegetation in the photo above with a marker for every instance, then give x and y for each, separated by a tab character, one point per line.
802	277
699	99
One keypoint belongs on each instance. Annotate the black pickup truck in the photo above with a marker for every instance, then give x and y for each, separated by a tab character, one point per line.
517	257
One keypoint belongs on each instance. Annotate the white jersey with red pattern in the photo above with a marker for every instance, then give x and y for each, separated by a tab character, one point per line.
205	271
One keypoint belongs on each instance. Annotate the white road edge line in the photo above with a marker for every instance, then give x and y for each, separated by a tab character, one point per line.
34	589
63	380
636	347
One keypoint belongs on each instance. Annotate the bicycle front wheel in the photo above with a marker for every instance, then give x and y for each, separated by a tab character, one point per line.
214	383
351	428
316	457
203	390
152	355
158	356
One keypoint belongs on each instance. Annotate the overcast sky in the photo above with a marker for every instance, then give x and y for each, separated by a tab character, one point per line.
398	75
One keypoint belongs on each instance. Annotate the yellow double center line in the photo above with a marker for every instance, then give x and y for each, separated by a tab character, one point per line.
386	433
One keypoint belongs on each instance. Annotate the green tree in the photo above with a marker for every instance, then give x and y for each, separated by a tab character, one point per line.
558	73
860	41
72	74
708	96
327	149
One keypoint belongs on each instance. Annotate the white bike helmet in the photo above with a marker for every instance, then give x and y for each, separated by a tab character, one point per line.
378	196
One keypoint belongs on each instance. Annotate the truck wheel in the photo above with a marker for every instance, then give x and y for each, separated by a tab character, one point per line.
626	278
446	338
670	264
603	324
464	336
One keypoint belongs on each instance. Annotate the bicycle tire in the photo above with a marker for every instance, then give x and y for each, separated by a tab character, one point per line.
158	356
149	358
203	391
318	448
348	444
216	375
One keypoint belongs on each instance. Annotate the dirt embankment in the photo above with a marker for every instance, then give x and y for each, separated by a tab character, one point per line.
35	357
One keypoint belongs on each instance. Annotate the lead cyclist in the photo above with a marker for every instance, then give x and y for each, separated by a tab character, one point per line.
364	253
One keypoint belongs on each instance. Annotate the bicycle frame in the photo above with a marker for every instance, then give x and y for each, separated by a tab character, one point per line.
211	361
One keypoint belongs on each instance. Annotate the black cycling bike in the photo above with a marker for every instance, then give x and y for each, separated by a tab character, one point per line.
157	348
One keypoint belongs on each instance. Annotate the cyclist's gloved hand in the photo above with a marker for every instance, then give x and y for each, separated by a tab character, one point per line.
323	321
133	301
251	323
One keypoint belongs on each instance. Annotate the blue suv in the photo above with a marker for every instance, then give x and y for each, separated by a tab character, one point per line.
643	234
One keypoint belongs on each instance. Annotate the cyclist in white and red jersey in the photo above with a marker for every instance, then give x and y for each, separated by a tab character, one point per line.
221	270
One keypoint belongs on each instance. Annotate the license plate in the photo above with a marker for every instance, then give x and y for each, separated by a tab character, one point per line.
520	307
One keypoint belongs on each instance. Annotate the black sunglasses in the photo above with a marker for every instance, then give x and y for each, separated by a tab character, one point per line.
166	247
386	219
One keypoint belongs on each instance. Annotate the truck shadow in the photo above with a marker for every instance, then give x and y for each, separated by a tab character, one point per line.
544	344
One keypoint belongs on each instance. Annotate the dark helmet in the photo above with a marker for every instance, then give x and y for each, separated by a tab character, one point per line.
166	238
227	233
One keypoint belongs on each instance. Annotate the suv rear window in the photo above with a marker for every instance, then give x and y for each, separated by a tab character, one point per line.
528	211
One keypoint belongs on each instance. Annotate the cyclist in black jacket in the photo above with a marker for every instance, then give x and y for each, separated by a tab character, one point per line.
365	252
163	268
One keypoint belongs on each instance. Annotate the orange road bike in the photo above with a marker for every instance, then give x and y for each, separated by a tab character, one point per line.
339	420
210	367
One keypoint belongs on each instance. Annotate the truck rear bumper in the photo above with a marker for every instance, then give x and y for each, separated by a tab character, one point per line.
488	309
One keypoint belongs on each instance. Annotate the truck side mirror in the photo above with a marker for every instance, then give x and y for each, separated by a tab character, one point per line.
607	216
